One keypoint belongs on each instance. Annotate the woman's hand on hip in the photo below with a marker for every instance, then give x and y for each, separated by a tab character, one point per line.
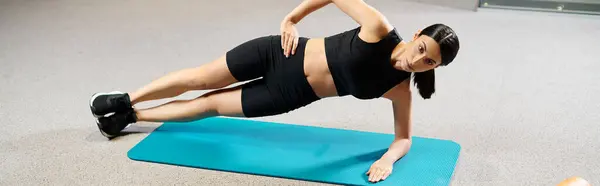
380	170
289	38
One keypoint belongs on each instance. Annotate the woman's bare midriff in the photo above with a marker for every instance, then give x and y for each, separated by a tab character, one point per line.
316	69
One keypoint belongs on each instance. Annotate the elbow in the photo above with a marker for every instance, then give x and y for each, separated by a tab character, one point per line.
403	136
329	1
406	141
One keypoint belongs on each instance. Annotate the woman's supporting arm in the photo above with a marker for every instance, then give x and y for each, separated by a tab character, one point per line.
401	105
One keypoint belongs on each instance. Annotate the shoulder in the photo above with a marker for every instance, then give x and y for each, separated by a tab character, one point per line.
376	32
399	92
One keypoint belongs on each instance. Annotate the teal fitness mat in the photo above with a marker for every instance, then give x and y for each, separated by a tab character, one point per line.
294	151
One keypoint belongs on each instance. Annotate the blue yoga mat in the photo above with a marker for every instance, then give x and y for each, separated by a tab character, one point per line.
294	151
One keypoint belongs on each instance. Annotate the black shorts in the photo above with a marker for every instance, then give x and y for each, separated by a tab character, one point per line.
278	83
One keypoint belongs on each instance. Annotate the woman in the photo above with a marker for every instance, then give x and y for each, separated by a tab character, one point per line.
289	72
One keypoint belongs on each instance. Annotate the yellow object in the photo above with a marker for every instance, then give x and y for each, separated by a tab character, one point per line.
574	181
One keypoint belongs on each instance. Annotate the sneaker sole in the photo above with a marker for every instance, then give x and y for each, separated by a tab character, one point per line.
94	98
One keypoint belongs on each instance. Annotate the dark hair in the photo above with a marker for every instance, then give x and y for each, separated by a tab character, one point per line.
449	45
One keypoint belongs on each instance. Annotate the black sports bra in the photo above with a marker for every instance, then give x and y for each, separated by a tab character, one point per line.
363	69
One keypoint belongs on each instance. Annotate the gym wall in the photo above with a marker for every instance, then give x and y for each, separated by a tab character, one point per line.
460	4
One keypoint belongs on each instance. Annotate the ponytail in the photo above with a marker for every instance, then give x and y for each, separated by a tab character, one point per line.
449	46
425	82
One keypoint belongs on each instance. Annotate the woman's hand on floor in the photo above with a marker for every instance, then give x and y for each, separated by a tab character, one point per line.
289	38
380	170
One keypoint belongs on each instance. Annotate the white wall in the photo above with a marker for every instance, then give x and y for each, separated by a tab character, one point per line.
461	4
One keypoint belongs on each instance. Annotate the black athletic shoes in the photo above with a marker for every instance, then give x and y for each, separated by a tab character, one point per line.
106	103
112	125
113	111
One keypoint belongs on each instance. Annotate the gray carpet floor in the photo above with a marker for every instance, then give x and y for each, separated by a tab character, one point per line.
521	97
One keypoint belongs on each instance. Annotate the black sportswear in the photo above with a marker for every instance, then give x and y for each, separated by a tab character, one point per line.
281	85
360	68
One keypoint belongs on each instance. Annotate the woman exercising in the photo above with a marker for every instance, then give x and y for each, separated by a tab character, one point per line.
286	72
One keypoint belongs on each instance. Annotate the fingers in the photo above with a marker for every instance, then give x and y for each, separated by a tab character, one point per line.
284	43
372	175
295	45
375	175
289	43
386	174
378	174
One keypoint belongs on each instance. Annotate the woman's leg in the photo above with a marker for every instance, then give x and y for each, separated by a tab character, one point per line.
223	102
247	61
213	75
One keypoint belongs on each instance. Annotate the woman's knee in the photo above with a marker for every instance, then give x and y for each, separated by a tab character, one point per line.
224	101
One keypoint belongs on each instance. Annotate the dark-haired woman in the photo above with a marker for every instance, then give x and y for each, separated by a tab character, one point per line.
286	72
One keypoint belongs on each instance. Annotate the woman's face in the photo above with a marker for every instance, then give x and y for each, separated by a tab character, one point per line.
419	55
